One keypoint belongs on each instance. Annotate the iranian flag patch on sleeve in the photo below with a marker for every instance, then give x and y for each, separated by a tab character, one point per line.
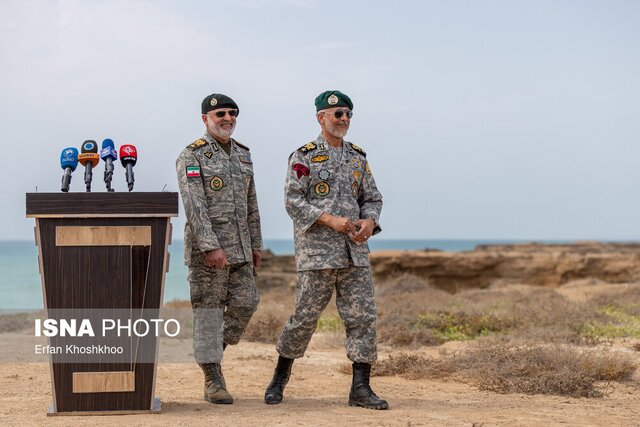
193	171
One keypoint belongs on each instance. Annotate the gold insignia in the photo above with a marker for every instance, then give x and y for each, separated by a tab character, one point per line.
332	100
322	189
355	162
197	143
216	183
208	154
214	102
354	189
356	175
319	159
367	168
307	147
358	149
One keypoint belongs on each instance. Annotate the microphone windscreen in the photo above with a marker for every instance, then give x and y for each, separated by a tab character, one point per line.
69	158
108	150
89	146
128	155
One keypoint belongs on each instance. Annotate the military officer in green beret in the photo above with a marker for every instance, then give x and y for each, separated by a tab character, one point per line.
332	198
222	238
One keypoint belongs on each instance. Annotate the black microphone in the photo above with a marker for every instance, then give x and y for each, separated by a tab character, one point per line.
89	158
69	162
108	154
128	158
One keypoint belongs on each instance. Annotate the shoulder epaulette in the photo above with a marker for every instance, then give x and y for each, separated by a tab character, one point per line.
241	145
358	149
196	144
307	147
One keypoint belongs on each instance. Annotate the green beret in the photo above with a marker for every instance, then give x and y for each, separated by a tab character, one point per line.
217	100
331	99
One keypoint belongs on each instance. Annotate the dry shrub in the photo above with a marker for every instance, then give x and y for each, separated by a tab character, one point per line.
550	369
414	366
15	322
265	328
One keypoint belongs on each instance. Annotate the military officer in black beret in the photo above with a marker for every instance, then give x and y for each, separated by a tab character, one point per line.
222	238
332	198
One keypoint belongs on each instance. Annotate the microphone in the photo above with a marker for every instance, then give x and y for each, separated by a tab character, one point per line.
128	158
89	158
108	154
69	162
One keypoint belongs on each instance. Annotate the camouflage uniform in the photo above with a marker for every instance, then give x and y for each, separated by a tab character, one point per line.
220	203
337	181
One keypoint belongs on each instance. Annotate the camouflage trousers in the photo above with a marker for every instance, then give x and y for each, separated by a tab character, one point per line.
223	302
356	305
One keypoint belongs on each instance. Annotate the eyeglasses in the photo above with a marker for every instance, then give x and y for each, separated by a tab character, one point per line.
339	113
221	114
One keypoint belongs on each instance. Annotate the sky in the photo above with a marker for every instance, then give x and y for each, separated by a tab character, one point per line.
481	119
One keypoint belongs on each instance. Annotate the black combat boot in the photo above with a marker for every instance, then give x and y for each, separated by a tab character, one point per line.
361	393
215	388
273	395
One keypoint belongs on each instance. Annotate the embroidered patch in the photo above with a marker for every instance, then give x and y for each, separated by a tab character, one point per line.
319	159
307	147
193	171
356	175
216	183
300	170
324	174
322	189
355	162
246	159
208	154
354	189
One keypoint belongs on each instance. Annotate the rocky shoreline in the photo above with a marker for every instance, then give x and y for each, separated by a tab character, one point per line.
550	265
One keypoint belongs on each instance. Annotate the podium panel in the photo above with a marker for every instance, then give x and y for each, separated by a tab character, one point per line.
102	253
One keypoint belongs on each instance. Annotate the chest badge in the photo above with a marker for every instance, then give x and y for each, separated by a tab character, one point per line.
216	183
319	159
356	175
324	174
322	189
354	189
356	163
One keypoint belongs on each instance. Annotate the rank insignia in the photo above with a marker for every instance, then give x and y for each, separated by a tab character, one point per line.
300	170
319	159
356	175
358	149
216	183
332	100
213	102
208	154
356	163
324	174
193	171
322	189
354	189
197	143
307	147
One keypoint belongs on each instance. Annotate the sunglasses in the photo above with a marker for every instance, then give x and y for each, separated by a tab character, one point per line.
221	114
339	113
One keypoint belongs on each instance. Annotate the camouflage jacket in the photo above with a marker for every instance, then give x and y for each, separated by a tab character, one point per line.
336	181
219	197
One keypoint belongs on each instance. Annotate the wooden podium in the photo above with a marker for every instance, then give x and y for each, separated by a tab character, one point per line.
103	251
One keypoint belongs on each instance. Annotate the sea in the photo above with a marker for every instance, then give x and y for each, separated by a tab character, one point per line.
21	288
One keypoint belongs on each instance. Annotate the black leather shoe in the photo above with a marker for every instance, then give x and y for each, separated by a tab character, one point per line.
275	390
361	393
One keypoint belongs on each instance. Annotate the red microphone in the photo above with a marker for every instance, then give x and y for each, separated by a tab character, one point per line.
128	158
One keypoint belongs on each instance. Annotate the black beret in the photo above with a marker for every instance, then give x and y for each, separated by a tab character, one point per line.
217	100
331	99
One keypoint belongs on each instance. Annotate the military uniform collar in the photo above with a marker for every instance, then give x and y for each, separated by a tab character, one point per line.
324	145
215	145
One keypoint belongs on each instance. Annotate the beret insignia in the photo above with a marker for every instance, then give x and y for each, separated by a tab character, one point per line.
319	159
358	149
213	102
198	143
307	147
332	100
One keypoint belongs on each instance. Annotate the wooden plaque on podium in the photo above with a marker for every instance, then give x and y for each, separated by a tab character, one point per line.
103	251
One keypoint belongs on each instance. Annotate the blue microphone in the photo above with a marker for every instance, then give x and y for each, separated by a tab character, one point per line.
108	154
69	162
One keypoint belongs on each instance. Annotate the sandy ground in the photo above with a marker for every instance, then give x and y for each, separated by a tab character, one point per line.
316	395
